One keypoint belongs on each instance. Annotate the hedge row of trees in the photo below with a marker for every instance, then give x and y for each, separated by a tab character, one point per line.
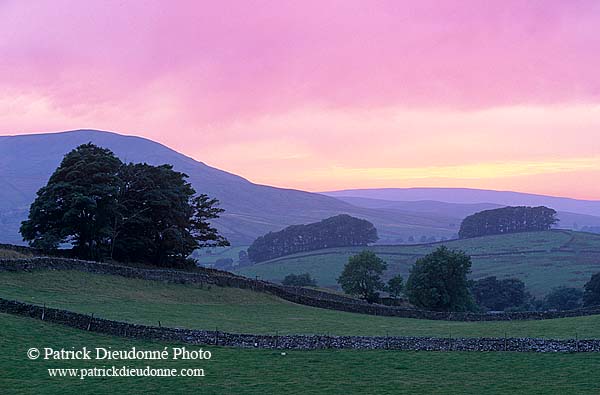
339	231
507	220
105	208
439	281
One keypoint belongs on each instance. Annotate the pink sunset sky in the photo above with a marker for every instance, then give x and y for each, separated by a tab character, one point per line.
323	95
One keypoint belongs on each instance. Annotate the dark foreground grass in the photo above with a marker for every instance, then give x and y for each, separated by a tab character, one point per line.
241	371
244	311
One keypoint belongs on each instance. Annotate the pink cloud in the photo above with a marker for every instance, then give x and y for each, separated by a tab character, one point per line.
214	79
259	56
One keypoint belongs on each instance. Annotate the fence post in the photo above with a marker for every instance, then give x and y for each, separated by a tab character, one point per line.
44	312
90	322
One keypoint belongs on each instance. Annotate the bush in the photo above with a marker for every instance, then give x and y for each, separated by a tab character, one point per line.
493	294
395	286
563	298
299	280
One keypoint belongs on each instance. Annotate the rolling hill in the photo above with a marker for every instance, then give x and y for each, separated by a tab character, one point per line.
473	196
543	260
26	162
244	311
567	220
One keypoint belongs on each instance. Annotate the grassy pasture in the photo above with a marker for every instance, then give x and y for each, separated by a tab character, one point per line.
10	254
244	311
543	260
242	371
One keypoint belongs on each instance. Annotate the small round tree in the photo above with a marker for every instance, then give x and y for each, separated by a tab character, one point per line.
438	281
362	276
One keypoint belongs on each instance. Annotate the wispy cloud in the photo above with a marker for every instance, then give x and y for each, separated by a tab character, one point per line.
322	94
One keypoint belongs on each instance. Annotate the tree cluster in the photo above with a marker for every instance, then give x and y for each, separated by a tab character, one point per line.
299	280
498	295
339	231
563	298
104	208
438	281
507	220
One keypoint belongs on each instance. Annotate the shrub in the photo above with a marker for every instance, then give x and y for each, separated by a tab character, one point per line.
299	280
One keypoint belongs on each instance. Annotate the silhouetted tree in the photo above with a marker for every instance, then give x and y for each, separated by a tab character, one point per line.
493	294
438	281
134	212
563	298
162	221
362	276
339	231
507	220
77	203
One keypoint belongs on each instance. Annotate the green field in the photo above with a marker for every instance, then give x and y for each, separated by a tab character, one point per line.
244	311
10	254
242	371
543	260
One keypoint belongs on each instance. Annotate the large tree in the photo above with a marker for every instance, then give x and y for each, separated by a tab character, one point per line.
438	281
136	212
77	203
507	220
493	294
362	276
160	219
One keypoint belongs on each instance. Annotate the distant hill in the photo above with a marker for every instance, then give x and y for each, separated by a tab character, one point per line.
455	205
26	162
473	196
543	260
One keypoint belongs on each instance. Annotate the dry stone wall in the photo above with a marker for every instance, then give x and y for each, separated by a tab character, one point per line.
292	342
305	296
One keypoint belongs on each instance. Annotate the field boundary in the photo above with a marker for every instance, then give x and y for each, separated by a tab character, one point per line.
293	342
299	295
